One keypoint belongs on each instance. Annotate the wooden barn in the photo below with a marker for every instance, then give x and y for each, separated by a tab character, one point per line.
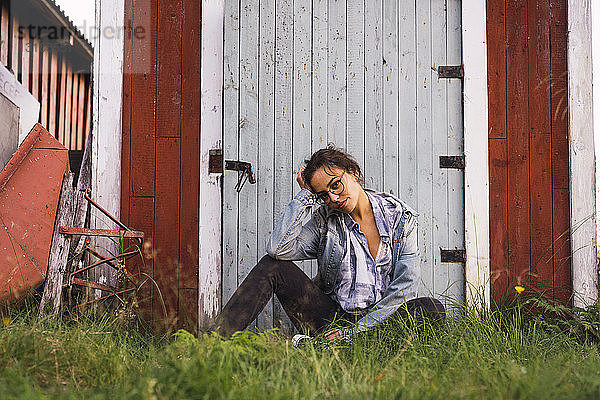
478	115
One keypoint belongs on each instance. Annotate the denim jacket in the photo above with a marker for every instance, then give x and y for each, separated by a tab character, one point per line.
308	231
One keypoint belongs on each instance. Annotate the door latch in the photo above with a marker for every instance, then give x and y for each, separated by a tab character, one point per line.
244	170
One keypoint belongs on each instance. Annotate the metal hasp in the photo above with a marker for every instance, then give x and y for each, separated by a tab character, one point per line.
126	233
215	161
452	162
453	256
451	71
244	171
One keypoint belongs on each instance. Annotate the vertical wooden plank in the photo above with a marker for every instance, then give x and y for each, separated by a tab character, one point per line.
68	106
45	82
456	184
425	146
373	96
88	113
538	27
319	112
4	33
25	59
62	109
143	87
266	138
518	141
496	38
166	225
439	127
230	146
190	161
541	212
355	77
563	287
52	94
560	151
390	96
168	110
35	68
320	34
125	113
141	217
301	106
248	136
407	49
71	139
336	121
15	57
78	139
284	173
498	218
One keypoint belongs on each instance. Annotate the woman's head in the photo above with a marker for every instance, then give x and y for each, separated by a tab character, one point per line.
335	176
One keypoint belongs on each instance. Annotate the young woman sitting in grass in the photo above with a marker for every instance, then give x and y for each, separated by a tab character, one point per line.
365	244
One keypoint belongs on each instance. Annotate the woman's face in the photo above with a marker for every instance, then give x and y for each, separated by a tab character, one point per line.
339	189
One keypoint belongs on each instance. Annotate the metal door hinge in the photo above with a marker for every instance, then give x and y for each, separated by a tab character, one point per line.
245	172
215	161
456	162
451	71
453	256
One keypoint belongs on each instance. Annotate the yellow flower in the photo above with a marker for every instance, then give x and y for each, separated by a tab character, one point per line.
519	289
6	321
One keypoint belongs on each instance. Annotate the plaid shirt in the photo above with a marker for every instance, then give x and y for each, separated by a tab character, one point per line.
363	280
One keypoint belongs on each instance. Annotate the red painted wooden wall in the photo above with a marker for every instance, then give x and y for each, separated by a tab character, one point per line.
528	148
161	129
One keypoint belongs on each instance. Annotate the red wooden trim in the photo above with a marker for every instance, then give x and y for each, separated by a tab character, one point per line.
4	34
143	94
562	246
142	218
126	113
496	52
498	164
53	94
518	141
541	212
78	140
166	214
88	113
168	107
189	159
62	106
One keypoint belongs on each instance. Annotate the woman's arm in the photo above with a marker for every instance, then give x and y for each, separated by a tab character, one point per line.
405	281
296	236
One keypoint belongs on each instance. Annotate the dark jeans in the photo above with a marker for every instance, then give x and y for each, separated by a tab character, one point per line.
303	301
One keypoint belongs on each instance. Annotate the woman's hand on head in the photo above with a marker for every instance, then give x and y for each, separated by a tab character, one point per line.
300	180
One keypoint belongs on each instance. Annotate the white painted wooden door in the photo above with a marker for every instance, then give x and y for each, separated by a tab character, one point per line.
363	75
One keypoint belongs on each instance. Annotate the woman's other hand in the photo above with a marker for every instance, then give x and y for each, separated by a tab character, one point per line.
300	180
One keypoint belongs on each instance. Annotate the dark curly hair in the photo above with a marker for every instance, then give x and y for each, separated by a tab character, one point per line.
331	157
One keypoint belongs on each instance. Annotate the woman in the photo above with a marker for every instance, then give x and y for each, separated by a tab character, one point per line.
365	244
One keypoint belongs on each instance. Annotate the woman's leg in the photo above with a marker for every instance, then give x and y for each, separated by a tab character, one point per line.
422	308
306	305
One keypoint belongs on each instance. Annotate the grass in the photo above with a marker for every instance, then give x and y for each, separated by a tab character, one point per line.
500	355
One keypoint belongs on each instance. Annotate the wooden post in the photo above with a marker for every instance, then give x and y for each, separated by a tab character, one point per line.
581	145
59	252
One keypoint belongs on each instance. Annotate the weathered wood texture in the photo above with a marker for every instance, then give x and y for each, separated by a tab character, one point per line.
45	66
59	252
528	148
160	151
299	74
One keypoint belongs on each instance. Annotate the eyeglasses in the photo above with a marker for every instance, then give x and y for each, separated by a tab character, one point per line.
336	188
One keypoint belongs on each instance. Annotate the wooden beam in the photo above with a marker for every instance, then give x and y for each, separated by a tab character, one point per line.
59	253
581	150
477	270
211	125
